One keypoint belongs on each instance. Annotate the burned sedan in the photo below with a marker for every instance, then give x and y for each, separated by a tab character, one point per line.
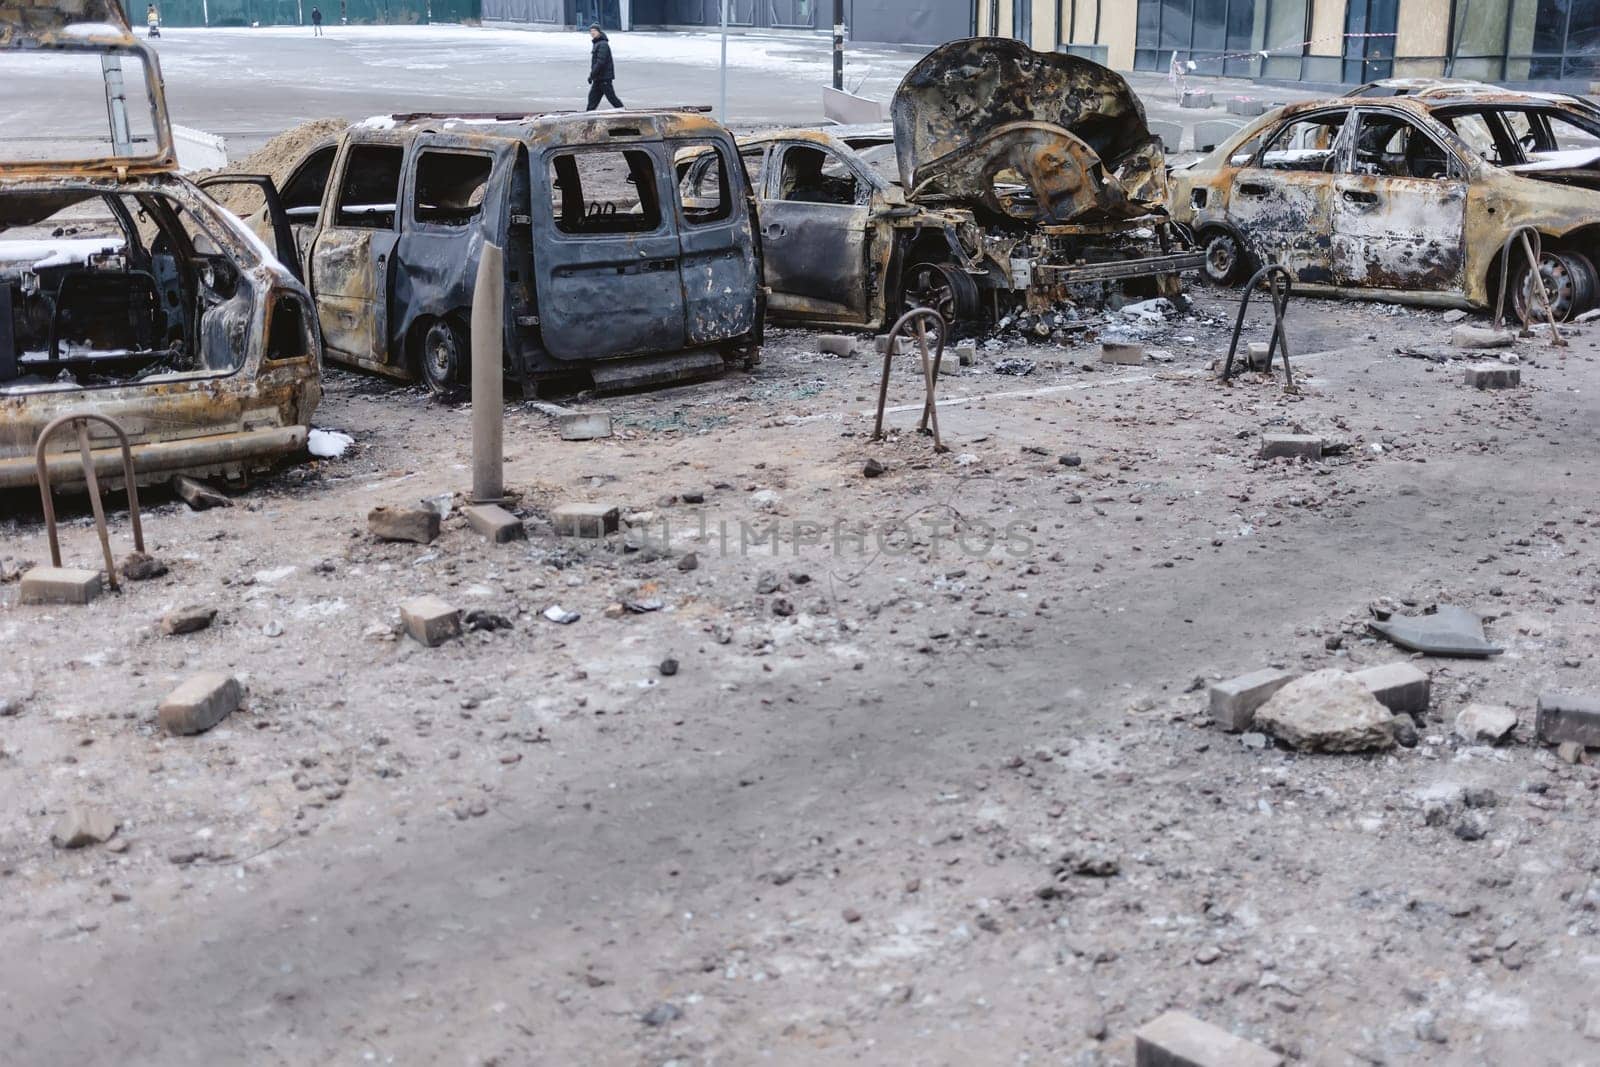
1408	198
1011	178
124	289
611	271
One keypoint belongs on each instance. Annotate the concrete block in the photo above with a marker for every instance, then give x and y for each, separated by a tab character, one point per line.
1196	98
1292	445
1481	337
418	525
1179	1040
1494	376
1241	105
60	585
1400	687
584	425
1234	702
200	703
1257	354
1569	717
584	520
836	344
967	353
880	344
430	621
495	523
1118	352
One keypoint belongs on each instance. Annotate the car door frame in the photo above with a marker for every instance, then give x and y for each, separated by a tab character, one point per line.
719	260
272	211
1285	216
799	282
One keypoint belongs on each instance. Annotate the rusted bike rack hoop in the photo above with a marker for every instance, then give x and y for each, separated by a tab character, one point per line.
82	419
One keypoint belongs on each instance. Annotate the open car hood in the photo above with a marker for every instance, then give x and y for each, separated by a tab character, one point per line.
1040	137
82	53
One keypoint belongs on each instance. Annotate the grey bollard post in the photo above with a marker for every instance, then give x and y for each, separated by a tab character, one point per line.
488	379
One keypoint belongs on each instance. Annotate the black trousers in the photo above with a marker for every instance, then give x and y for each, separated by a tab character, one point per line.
599	89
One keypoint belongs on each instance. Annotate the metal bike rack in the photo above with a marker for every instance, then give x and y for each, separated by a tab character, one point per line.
1533	248
82	419
917	317
1279	286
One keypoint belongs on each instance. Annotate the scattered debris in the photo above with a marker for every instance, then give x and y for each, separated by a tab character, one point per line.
584	425
1014	365
560	615
200	703
80	827
419	525
1449	631
661	1014
187	620
1179	1040
328	444
669	667
480	620
872	469
1123	353
141	567
689	561
1327	711
1291	446
1474	337
1485	723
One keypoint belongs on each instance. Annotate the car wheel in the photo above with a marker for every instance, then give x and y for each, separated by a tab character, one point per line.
1225	260
945	288
444	354
1569	279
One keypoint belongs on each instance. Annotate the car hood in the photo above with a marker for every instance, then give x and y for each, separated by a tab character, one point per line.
1039	137
44	42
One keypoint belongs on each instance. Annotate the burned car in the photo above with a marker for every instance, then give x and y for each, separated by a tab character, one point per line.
124	289
610	273
1408	198
1011	178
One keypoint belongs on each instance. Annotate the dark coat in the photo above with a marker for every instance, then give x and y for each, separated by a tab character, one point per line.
601	70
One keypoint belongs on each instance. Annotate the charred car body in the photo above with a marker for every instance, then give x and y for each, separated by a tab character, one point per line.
1408	198
1010	178
610	270
124	289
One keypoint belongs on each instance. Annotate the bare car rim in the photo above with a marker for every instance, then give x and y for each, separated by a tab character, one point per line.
1568	278
1222	259
944	288
443	356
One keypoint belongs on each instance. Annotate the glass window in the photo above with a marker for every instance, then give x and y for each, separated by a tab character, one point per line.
450	187
1308	143
815	176
371	187
604	191
703	191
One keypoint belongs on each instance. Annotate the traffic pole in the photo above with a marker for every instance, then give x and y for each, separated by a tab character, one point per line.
838	44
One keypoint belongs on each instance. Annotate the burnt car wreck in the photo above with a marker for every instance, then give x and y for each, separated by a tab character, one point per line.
127	291
611	273
1010	179
1409	198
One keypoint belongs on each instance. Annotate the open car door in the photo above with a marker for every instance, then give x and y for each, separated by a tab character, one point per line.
270	218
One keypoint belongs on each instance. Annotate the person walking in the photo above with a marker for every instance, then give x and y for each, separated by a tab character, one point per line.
602	71
152	20
316	22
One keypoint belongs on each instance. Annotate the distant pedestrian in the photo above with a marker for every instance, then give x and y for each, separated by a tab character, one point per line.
602	71
152	20
316	22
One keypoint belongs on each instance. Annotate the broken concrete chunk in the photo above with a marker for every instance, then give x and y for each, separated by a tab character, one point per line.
198	494
495	523
835	344
1494	376
1485	724
585	520
1176	1039
418	525
561	616
1127	354
140	567
1327	711
430	621
59	585
1481	337
80	827
967	353
1449	631
1569	717
187	620
584	425
1258	354
1291	445
1570	752
1234	702
200	703
1400	687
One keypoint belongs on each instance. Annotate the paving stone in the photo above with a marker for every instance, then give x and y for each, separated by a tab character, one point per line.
1234	702
1398	686
1466	336
585	520
1569	717
430	621
495	523
417	525
836	344
1494	376
200	703
967	353
1176	1039
584	425
1256	354
60	585
1291	445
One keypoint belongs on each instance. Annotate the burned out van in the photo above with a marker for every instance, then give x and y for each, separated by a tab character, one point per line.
613	270
124	289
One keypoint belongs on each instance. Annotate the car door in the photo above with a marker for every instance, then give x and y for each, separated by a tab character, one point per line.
815	234
452	198
720	261
302	195
351	254
606	250
270	222
1281	200
1399	208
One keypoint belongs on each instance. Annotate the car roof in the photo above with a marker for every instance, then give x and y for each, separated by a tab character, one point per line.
550	127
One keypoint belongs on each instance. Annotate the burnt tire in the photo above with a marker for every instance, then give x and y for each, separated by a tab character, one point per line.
444	357
1570	281
1226	262
945	288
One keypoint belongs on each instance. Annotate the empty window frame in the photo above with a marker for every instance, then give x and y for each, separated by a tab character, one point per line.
815	176
1308	143
370	188
705	193
450	187
302	193
605	191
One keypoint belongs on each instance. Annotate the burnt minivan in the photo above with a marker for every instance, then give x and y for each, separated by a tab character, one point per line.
613	271
124	289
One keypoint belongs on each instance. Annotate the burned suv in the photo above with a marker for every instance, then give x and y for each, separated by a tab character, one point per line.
124	289
611	270
1010	178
